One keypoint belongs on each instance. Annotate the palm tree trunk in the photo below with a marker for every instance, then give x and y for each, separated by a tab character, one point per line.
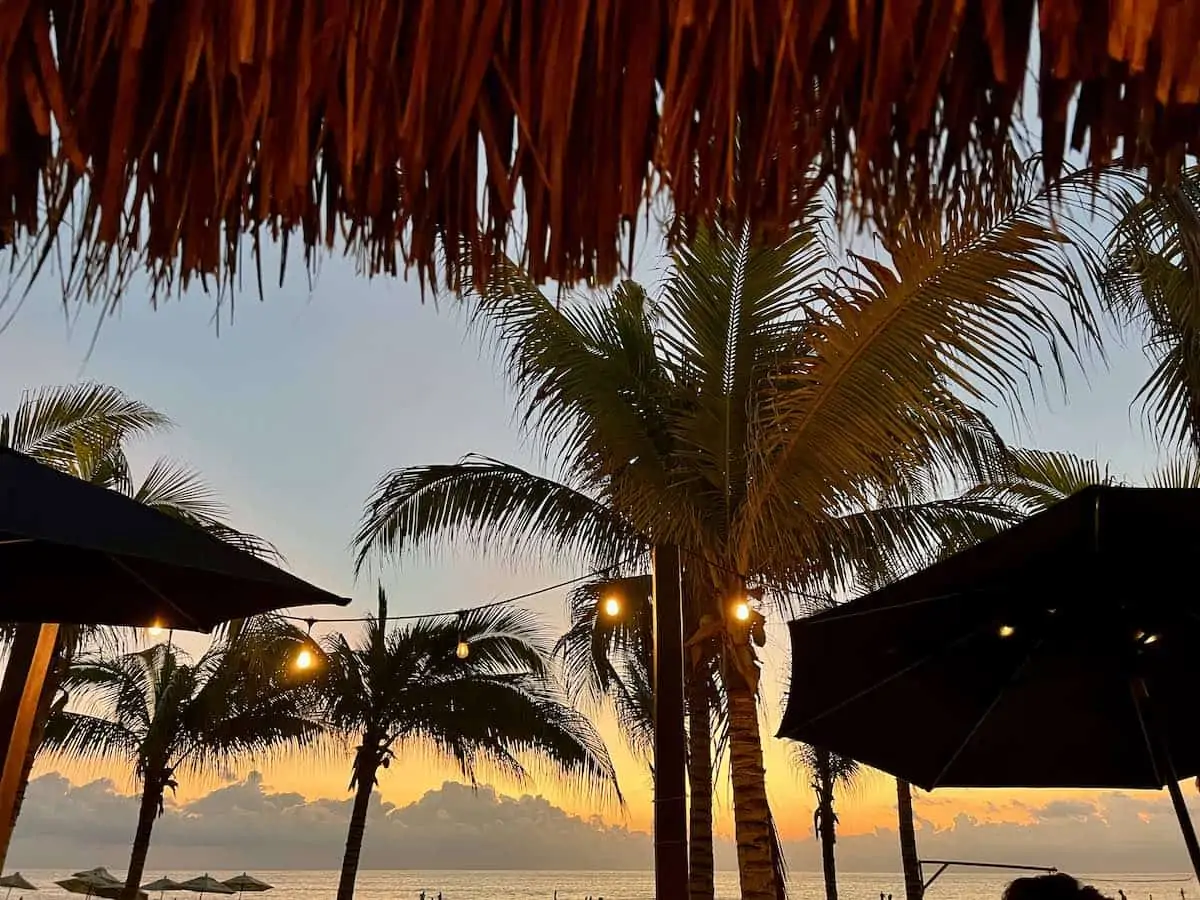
701	884
365	784
826	822
914	888
152	793
759	869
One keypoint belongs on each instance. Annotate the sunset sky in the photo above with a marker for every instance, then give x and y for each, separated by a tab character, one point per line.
303	401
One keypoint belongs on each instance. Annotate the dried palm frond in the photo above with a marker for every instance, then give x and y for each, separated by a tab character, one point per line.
161	133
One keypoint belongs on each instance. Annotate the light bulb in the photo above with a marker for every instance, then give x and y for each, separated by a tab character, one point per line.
1007	631
463	650
1150	639
741	611
612	607
304	659
155	629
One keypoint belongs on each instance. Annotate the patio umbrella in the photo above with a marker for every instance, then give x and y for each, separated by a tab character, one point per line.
206	884
74	552
162	885
1062	653
244	882
16	880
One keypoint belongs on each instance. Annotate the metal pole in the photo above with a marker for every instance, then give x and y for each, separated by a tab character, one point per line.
1159	744
670	746
24	678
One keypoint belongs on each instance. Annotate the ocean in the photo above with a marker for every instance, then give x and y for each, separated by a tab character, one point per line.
462	885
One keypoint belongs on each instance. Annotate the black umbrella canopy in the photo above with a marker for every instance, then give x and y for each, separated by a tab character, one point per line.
74	552
1065	652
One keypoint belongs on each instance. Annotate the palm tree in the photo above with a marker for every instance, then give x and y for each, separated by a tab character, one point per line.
787	423
476	689
608	657
168	715
829	773
84	430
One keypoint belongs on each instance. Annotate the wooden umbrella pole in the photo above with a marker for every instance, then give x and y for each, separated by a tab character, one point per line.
24	677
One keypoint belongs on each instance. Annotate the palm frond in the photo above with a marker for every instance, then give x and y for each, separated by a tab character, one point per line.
180	492
980	307
1152	282
490	503
1042	478
54	424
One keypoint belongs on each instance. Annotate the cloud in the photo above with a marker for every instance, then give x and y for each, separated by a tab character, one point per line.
246	825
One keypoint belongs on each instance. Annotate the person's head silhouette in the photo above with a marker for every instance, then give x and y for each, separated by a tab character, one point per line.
1058	886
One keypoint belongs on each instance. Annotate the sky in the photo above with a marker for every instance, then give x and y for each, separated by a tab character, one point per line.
299	404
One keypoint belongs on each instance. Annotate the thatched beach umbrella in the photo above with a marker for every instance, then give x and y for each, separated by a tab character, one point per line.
162	885
242	883
190	124
205	884
16	880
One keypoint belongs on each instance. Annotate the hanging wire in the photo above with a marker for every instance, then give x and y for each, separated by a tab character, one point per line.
461	612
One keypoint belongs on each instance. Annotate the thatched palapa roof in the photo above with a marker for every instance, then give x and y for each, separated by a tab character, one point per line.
192	122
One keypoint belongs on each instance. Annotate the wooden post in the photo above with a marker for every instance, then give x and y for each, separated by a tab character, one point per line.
24	677
670	746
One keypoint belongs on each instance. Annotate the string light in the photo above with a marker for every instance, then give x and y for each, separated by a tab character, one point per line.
304	658
612	607
463	650
741	611
1007	631
156	628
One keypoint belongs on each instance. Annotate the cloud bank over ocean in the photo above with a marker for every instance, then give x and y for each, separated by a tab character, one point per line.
247	825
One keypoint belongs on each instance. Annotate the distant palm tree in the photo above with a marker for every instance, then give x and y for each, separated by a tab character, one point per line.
829	773
84	430
476	689
167	715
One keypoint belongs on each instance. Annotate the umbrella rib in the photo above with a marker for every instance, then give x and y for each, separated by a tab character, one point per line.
845	612
987	712
151	588
1146	738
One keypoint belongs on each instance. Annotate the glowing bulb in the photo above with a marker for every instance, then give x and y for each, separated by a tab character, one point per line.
1150	639
741	611
1007	631
463	650
304	659
612	607
155	630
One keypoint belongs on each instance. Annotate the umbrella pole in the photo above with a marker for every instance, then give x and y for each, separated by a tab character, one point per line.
1160	752
1185	820
20	691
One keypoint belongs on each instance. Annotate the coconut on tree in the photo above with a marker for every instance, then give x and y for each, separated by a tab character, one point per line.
476	689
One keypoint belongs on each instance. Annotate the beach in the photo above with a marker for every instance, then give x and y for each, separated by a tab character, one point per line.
466	885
